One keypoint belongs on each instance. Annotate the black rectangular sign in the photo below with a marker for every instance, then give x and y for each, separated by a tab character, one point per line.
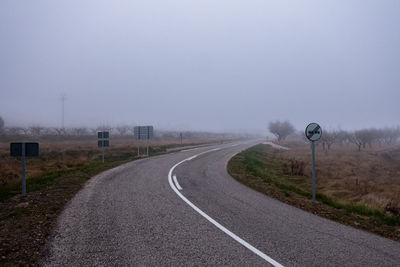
103	135
16	149
106	143
31	149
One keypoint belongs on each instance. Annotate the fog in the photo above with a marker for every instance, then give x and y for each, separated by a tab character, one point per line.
200	65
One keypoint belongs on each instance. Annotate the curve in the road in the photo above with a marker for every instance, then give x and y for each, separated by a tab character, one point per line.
129	216
221	227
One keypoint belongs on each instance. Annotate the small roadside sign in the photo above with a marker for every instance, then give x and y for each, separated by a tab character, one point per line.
313	132
143	133
24	150
31	149
16	149
103	141
103	135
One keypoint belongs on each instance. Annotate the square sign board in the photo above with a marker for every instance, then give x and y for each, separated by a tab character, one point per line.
103	135
101	143
31	149
143	132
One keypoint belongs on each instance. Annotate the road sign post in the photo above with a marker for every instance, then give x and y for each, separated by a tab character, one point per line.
23	170
24	150
147	150
143	133
313	171
103	142
313	133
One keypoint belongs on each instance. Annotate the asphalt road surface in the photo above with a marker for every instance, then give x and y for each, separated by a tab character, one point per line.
136	215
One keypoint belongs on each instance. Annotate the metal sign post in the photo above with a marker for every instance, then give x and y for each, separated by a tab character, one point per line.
143	133
313	171
24	150
147	147
103	142
136	133
23	170
313	133
102	153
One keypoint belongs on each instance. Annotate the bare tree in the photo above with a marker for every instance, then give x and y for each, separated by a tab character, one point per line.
14	131
79	131
357	139
328	138
390	135
48	131
25	130
281	129
105	127
122	129
35	130
93	131
60	131
363	137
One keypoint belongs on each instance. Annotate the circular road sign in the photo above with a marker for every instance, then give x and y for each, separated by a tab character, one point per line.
313	131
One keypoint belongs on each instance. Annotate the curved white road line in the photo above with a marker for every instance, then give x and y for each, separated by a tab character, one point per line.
222	228
176	183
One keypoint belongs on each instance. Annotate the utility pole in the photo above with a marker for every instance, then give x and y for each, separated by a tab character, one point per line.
62	111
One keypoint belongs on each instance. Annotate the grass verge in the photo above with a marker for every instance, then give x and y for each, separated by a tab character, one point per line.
261	169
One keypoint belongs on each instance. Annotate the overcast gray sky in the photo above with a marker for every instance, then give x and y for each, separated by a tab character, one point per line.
200	65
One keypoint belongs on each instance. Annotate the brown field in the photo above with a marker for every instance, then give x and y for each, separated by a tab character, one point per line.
56	155
359	189
370	177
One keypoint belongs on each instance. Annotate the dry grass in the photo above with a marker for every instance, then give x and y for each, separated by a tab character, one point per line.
360	189
370	177
67	155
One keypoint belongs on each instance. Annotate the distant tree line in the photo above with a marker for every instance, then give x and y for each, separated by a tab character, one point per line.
36	131
360	138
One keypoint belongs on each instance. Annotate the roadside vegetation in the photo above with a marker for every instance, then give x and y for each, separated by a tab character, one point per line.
360	189
67	160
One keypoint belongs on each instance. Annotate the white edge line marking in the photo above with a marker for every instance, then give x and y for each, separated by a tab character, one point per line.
190	149
222	228
176	183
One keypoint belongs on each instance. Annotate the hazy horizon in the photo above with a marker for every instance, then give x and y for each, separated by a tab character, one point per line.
221	66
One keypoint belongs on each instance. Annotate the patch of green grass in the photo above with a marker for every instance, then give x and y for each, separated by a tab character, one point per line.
260	164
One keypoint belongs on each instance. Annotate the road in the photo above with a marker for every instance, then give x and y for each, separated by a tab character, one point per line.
135	215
